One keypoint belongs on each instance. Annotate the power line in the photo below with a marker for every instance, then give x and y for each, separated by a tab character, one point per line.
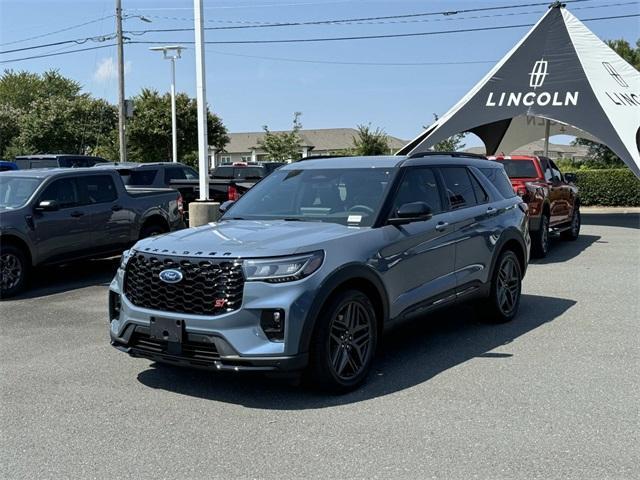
336	62
78	41
66	29
58	53
370	37
306	40
446	13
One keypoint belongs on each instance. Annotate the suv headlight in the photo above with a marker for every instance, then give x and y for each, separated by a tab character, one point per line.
124	258
282	269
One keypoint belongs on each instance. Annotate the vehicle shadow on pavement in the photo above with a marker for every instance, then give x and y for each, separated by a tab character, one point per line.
562	250
411	355
624	220
63	278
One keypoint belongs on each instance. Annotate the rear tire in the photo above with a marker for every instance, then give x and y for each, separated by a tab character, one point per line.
344	343
506	287
574	231
540	238
14	270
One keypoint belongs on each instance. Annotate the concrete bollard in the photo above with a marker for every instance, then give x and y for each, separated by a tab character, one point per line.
201	213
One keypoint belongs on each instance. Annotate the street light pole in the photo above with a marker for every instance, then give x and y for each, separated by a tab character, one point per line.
172	52
121	112
174	130
201	97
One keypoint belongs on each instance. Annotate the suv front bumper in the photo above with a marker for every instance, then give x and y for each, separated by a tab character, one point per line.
231	341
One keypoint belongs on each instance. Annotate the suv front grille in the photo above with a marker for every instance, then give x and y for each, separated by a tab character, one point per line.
208	286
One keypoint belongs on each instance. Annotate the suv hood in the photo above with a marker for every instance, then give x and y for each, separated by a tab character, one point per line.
247	238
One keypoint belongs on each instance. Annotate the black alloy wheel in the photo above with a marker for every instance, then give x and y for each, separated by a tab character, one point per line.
344	343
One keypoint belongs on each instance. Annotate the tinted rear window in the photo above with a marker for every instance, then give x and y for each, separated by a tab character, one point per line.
223	172
141	178
248	172
498	177
519	168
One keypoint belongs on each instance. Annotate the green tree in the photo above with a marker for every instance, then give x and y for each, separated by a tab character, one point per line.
599	155
451	144
283	146
370	141
27	98
149	130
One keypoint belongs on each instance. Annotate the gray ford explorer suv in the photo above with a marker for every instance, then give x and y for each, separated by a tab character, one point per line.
307	269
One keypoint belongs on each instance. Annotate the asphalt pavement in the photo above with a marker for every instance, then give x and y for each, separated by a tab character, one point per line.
554	394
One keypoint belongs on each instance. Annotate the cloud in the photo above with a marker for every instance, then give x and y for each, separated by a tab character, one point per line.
108	70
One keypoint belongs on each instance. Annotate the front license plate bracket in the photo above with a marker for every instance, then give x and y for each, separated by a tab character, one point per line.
166	329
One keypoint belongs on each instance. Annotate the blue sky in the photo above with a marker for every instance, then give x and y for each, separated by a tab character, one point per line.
249	92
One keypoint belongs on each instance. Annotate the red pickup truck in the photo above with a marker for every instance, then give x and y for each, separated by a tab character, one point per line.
554	204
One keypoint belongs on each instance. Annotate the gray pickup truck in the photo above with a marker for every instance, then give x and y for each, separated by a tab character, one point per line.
55	216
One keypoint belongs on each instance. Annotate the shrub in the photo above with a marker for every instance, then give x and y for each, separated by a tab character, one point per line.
612	188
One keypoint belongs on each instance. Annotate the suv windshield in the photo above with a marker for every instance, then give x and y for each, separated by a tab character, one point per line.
344	196
519	168
15	191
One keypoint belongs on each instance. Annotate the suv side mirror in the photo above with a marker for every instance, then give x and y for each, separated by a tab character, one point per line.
570	177
226	206
411	212
47	206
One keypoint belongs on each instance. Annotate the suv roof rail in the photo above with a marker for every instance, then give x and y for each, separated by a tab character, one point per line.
450	154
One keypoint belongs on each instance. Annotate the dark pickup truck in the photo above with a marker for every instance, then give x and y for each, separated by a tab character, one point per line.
226	182
58	215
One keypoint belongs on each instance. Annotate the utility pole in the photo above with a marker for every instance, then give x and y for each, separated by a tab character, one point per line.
201	97
121	110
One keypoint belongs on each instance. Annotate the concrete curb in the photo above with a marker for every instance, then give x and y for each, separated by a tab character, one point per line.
610	209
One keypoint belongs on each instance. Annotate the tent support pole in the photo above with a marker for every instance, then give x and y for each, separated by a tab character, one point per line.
547	129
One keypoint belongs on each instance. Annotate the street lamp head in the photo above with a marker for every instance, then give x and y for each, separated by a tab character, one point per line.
169	51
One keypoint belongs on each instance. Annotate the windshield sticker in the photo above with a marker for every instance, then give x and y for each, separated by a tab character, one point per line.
354	219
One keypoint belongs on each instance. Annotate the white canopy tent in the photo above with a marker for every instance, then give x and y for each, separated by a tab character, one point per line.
559	79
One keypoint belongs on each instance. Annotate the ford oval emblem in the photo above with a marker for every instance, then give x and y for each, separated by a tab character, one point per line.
171	276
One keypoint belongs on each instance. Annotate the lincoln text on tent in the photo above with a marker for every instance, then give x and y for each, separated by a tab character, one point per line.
530	99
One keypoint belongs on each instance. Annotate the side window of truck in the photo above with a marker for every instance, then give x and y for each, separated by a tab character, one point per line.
555	171
63	191
96	189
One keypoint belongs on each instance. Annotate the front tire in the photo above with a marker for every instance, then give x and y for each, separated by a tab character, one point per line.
14	271
506	287
344	343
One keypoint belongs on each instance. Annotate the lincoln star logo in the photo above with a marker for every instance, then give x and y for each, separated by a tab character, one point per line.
171	276
614	73
538	74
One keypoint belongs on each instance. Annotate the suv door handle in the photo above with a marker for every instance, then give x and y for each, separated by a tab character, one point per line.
441	226
116	208
491	211
77	214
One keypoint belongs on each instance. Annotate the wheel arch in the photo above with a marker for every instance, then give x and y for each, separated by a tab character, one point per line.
358	277
155	219
510	240
9	239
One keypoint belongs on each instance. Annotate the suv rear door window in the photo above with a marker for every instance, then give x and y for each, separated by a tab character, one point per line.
519	168
96	189
499	178
458	187
141	177
478	189
174	173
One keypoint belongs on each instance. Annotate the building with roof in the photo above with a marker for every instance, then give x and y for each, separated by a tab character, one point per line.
556	150
245	146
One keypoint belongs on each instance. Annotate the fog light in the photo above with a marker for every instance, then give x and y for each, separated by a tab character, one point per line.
272	323
115	305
